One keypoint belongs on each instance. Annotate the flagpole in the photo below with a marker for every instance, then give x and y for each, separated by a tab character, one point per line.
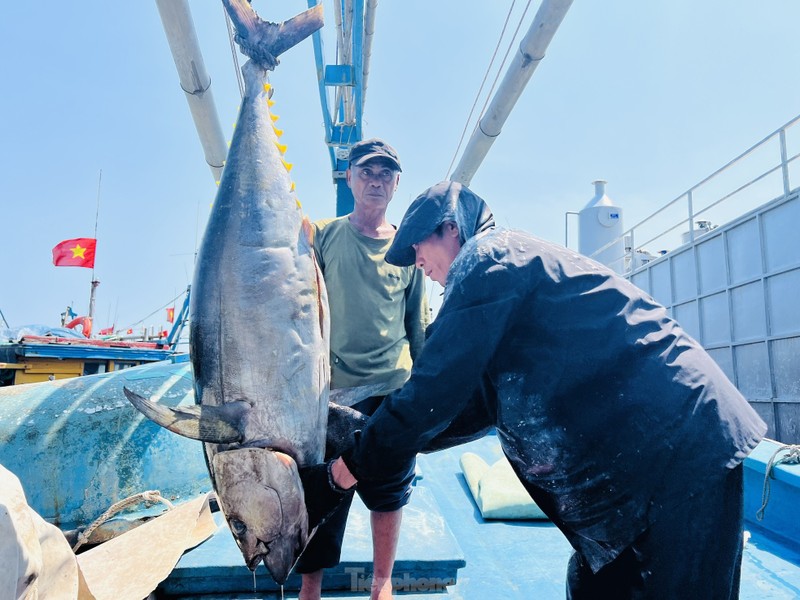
95	283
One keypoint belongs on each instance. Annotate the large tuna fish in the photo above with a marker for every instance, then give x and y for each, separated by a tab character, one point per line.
259	325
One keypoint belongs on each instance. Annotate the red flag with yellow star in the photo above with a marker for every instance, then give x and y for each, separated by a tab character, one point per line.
75	253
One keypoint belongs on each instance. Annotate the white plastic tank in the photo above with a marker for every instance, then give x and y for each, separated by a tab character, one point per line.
600	224
700	228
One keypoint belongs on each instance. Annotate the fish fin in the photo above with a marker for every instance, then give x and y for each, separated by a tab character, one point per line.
215	424
354	395
343	421
263	41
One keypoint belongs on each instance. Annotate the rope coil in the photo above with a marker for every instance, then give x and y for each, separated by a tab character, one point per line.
149	497
792	457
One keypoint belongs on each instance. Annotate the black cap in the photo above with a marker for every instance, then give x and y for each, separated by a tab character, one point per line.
366	150
445	201
431	208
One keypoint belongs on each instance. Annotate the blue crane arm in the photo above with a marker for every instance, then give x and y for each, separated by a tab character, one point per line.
342	125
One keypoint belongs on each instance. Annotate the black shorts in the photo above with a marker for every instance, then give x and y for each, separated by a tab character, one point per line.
325	548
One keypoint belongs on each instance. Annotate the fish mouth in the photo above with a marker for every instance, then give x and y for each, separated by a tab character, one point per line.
253	563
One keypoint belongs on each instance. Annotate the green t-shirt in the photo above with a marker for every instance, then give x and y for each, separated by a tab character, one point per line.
378	311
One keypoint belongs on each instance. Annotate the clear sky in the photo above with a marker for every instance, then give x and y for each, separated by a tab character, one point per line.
650	95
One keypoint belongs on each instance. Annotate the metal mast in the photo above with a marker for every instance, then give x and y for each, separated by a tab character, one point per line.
195	81
531	52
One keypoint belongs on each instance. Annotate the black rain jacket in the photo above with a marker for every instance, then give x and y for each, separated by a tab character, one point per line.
607	410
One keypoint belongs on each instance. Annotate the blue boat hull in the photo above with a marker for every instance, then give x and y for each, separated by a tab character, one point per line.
78	446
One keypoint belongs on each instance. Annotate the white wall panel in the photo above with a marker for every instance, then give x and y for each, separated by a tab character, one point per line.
724	358
684	276
660	280
744	254
716	320
641	280
686	315
711	265
783	302
747	304
782	235
786	368
752	371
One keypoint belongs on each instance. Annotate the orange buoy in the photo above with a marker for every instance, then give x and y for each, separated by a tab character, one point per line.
84	322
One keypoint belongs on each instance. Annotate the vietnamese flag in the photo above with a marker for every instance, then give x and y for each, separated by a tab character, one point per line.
171	315
75	253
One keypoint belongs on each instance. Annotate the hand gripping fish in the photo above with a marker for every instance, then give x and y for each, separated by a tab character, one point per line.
259	325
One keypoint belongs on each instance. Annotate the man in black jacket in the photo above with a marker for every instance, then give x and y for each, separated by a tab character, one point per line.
620	426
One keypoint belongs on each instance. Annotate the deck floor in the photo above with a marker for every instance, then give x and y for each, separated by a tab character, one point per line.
527	559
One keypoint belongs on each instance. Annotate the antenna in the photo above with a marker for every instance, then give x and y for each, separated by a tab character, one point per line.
95	283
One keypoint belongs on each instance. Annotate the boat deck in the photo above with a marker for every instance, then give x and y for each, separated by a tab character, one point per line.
448	550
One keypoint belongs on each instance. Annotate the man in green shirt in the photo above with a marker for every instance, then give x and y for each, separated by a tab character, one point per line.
378	318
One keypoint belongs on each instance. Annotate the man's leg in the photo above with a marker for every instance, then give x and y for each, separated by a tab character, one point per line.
692	551
311	587
385	533
322	552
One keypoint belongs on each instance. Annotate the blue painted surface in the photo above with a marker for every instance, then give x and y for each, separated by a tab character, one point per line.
428	557
91	352
781	516
78	446
523	560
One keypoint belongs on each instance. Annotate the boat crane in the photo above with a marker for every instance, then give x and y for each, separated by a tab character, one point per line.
348	77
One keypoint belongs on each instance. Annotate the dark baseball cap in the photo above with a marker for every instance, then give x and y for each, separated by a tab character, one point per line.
365	150
445	201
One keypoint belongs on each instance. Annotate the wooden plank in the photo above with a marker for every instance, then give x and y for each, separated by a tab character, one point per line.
55	367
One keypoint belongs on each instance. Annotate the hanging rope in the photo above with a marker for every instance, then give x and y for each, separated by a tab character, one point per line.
792	457
234	54
150	497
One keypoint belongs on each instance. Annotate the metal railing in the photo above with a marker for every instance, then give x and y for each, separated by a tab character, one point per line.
653	228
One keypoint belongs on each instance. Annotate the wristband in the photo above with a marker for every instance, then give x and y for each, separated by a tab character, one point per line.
332	482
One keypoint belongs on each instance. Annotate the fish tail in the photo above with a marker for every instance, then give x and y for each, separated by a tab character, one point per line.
264	41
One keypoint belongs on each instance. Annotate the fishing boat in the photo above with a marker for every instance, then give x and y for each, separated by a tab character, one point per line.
37	353
26	357
727	269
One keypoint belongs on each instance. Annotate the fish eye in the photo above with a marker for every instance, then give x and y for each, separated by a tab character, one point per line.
238	527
